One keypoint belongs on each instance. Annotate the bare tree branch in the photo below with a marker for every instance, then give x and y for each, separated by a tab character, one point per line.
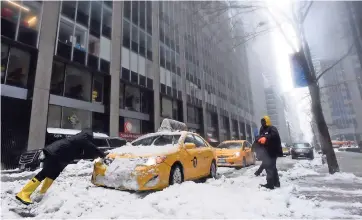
337	62
306	12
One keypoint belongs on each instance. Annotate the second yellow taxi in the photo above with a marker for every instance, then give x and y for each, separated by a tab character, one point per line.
235	153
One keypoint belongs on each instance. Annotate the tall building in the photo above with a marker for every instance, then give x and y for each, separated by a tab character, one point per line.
105	65
341	85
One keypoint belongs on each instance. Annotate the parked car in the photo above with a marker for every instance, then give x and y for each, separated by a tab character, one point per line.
30	159
235	153
302	150
157	160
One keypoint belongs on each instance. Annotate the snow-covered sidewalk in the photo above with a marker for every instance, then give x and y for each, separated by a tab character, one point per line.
230	196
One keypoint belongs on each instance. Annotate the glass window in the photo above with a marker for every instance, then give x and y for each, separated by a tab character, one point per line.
100	142
4	60
30	22
126	34
127	9
57	80
149	16
135	38
68	9
80	36
76	118
146	100
166	139
143	15
66	32
230	145
96	11
175	110
132	125
18	68
9	19
97	93
121	95
132	98
116	142
105	49
199	141
94	45
77	84
189	139
142	42
149	47
107	22
135	12
83	12
166	108
54	116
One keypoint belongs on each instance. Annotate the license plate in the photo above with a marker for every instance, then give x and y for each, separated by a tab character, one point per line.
302	154
222	161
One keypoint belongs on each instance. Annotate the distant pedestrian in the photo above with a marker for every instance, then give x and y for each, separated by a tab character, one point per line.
57	156
270	139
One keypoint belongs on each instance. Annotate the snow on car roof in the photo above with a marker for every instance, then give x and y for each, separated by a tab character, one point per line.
73	132
160	133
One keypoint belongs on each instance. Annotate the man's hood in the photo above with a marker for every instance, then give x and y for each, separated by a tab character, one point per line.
267	120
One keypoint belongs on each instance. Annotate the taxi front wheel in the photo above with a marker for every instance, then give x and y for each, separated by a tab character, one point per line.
213	170
176	175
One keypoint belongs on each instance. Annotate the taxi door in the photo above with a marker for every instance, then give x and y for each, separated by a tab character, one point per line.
205	155
191	159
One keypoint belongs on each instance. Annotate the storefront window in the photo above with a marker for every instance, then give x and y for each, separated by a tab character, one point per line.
146	102
66	32
30	22
166	108
97	93
132	98
175	110
107	22
76	118
54	116
93	47
4	60
57	80
132	125
77	84
18	68
83	12
9	19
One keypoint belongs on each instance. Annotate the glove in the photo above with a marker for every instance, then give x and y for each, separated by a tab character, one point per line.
262	140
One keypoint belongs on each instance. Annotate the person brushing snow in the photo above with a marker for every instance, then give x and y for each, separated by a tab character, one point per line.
270	139
57	156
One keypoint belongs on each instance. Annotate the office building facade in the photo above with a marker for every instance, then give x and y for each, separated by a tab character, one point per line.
119	68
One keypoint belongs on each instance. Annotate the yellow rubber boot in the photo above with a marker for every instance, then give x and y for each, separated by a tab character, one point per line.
46	184
24	195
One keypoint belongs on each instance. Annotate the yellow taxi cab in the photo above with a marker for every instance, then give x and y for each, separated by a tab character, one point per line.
235	153
157	160
286	149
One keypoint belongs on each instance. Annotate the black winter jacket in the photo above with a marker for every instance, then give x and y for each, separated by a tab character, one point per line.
273	143
69	149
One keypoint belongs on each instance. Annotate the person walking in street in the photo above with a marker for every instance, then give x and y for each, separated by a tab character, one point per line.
57	156
269	138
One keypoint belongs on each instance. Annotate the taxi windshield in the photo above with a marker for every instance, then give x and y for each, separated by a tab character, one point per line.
157	140
302	145
230	145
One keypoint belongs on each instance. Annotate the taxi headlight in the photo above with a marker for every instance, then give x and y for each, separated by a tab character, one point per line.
154	160
237	154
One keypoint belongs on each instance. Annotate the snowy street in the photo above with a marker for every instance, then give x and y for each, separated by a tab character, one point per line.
306	192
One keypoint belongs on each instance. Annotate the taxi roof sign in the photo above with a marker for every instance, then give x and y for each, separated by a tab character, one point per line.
172	125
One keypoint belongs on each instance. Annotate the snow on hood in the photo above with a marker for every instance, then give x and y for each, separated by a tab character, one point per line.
119	174
141	151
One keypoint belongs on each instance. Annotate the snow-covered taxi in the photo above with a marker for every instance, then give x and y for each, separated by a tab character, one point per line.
157	160
235	153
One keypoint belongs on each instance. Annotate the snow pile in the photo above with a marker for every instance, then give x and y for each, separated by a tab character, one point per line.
346	177
226	197
119	174
146	150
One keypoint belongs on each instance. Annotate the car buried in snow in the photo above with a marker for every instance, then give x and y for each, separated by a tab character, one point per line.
157	160
235	153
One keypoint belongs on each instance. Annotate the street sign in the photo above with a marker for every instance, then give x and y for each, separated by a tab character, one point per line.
298	74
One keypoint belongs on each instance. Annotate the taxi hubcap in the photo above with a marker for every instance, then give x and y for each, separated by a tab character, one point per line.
177	176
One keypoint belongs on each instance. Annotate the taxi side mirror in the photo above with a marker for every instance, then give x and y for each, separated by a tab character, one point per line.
189	146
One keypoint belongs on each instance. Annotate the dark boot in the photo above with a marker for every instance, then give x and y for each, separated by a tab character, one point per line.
268	186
